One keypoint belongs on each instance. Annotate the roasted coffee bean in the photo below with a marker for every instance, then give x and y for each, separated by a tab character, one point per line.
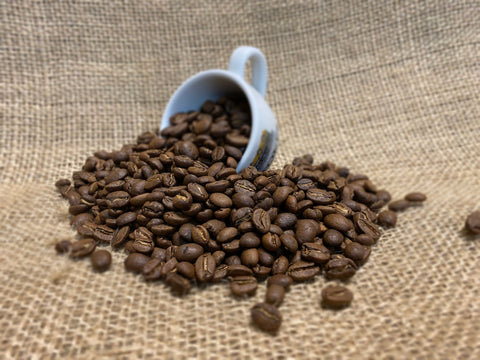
188	252
178	284
227	234
415	197
281	194
82	248
364	239
158	253
315	252
220	273
119	237
387	218
81	219
384	196
63	246
101	260
266	317
303	271
472	224
183	200
306	230
168	267
244	187
205	267
280	265
117	199
175	218
200	235
233	260
249	257
399	205
243	285
220	200
357	252
285	220
186	269
365	226
152	270
261	220
338	222
340	268
275	295
135	262
271	241
320	197
332	237
289	242
231	247
336	297
249	240
126	218
264	257
280	279
197	191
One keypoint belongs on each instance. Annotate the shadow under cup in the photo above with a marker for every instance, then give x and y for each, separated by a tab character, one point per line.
212	85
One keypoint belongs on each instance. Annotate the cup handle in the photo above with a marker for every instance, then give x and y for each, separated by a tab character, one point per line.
238	61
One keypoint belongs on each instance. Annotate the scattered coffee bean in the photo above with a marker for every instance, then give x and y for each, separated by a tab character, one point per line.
387	218
63	246
101	260
275	295
399	205
266	317
472	223
415	197
336	297
82	248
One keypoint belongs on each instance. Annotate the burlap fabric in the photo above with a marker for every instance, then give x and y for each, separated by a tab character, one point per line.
389	89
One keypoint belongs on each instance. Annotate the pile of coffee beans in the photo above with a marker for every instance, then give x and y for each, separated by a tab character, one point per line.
177	206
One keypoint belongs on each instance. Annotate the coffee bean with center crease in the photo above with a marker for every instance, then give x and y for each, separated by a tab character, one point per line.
303	271
82	248
178	284
205	267
336	297
119	237
320	197
243	285
198	192
266	317
340	268
280	279
315	252
103	233
261	220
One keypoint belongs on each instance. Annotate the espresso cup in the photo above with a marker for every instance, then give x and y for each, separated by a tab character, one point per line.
215	83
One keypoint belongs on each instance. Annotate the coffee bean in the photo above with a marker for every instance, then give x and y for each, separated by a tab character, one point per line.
101	260
249	257
178	284
315	252
415	197
365	226
280	265
183	200
289	242
320	197
135	262
399	205
261	220
63	246
152	270
303	271
271	241
227	234
355	251
197	191
280	279
340	268
126	218
266	317
472	224
244	187
82	248
186	269
364	239
285	220
220	200
205	267
220	273
336	297
243	285
332	237
387	218
275	295
188	252
306	230
338	222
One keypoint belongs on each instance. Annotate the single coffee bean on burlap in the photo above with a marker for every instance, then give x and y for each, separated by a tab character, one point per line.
336	297
399	205
415	197
63	246
266	317
472	224
101	260
387	218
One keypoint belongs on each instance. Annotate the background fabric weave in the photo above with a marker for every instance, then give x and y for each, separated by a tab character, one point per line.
389	89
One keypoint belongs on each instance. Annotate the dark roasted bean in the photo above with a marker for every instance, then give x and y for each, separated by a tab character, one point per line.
336	297
266	317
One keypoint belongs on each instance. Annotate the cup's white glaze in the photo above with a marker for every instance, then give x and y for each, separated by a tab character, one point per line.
213	84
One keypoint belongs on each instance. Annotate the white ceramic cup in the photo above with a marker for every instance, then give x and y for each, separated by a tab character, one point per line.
213	84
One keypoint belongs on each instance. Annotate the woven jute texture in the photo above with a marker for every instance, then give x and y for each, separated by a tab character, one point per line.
388	89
